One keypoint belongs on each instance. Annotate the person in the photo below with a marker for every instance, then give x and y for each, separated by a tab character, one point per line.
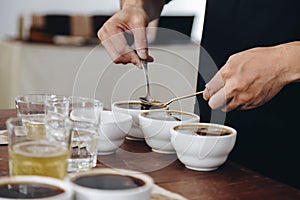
255	44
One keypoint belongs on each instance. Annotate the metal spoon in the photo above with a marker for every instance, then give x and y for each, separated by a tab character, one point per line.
147	98
157	103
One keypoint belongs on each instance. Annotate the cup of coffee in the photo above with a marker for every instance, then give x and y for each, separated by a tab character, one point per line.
203	146
34	187
42	156
156	125
133	108
112	184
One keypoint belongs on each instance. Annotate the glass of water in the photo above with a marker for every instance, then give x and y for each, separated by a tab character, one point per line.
85	114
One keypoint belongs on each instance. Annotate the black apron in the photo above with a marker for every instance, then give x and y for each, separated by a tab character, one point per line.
268	136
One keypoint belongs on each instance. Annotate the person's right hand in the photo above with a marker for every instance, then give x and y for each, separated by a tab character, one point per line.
252	77
133	20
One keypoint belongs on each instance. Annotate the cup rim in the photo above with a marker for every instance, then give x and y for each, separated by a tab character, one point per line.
126	101
114	104
47	95
195	117
149	182
9	122
201	124
57	95
66	187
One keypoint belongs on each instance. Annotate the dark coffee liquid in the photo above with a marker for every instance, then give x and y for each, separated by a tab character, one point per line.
109	182
138	106
26	190
211	132
168	115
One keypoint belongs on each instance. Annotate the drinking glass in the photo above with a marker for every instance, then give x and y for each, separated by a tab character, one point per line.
58	104
86	114
32	109
42	156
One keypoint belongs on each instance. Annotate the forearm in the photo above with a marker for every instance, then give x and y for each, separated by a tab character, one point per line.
291	61
153	8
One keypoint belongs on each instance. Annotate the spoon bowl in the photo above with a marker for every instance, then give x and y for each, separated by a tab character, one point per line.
152	102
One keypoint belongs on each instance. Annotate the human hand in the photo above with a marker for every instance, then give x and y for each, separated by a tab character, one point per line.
133	20
248	79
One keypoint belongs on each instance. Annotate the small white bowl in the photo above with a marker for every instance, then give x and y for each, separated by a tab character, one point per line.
199	151
112	184
156	125
134	109
113	129
26	185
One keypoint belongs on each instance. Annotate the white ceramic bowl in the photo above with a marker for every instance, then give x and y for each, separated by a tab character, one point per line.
199	151
113	129
29	184
90	185
134	109
156	125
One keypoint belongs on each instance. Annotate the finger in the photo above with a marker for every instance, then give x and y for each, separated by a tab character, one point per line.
108	38
150	59
206	94
247	107
119	50
218	99
130	57
116	53
120	46
140	42
231	105
214	85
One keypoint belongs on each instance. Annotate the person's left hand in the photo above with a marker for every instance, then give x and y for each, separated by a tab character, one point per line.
248	79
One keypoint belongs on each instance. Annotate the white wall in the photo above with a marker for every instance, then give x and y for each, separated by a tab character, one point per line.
11	9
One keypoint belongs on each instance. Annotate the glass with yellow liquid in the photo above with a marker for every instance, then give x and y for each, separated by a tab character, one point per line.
43	156
35	125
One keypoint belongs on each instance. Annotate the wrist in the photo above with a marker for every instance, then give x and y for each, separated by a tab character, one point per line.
152	8
129	3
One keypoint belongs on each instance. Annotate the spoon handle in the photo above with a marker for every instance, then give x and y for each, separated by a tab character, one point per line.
183	97
145	66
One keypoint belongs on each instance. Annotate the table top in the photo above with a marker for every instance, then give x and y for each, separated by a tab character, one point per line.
230	181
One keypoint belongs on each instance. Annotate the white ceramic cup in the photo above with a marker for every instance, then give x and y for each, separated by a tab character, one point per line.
134	109
203	146
35	187
86	184
113	129
156	125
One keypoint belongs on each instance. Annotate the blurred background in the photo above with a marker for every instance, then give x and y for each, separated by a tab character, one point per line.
39	53
11	10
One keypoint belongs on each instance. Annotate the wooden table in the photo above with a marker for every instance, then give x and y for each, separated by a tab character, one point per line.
231	181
